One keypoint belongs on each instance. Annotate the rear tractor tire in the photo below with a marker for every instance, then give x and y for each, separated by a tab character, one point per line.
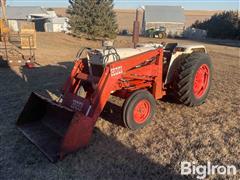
192	81
138	110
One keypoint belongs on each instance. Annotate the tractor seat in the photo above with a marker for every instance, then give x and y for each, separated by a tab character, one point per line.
168	51
170	47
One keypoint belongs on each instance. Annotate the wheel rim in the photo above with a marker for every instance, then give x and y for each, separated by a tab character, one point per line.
201	81
141	111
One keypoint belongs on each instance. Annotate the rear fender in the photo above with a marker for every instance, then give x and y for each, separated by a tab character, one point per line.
173	66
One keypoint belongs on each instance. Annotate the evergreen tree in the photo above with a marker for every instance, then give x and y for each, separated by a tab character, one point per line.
94	18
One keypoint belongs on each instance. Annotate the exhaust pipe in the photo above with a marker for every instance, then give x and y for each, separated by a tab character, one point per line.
136	28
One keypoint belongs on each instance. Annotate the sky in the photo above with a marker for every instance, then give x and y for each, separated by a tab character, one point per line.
186	4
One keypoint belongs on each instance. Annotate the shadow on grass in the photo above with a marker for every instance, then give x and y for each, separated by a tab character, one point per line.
113	114
105	158
108	158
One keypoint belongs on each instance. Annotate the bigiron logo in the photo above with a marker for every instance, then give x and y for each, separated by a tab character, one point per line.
202	171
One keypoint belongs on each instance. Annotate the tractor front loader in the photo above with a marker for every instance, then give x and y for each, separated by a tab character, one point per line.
59	128
139	75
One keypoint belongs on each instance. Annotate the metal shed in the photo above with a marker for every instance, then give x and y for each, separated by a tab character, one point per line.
171	17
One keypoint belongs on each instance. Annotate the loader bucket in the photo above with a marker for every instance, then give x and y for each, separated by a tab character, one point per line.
45	124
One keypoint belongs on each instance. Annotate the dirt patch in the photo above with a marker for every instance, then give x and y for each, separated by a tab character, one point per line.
206	133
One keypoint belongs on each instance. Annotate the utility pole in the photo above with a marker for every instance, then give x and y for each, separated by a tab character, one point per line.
3	5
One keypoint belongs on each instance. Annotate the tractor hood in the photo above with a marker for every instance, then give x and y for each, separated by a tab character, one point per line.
103	57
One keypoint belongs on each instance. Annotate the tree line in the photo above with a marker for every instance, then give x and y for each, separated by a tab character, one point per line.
96	19
224	25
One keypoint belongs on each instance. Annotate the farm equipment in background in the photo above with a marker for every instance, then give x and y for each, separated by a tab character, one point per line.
156	33
139	75
13	45
125	32
17	50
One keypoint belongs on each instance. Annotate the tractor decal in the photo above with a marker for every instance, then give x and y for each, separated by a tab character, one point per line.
116	71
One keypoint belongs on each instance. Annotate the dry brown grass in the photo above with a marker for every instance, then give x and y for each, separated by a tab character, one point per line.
207	133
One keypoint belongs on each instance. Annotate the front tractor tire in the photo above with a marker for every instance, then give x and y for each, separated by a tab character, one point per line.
192	81
160	35
138	110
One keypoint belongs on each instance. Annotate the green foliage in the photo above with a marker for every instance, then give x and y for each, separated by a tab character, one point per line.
225	25
93	18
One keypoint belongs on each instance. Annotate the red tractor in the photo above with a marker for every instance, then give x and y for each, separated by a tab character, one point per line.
139	75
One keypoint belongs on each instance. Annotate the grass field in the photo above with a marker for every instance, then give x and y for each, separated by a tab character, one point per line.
206	133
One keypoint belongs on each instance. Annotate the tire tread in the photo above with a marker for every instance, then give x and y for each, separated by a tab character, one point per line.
183	78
